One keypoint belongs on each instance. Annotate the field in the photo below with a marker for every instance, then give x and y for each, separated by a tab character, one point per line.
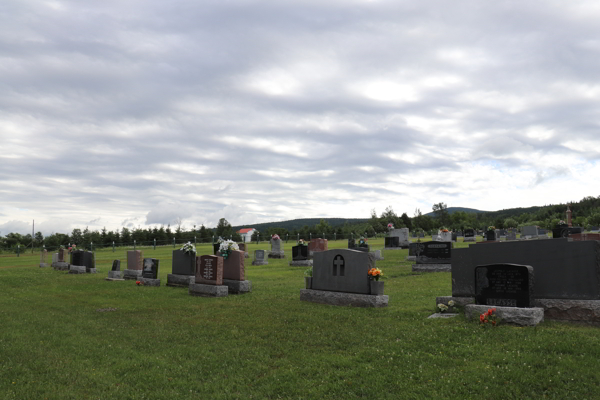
80	337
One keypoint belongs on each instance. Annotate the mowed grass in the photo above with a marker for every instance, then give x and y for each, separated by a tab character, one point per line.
59	341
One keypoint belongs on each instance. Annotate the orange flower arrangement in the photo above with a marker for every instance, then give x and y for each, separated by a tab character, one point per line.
488	316
375	274
138	283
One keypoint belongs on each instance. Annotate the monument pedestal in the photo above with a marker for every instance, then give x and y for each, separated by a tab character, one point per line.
115	276
77	269
238	287
175	280
276	254
343	299
150	282
508	315
200	289
61	266
132	274
301	263
432	268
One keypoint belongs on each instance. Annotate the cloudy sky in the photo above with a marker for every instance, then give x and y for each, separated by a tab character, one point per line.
135	113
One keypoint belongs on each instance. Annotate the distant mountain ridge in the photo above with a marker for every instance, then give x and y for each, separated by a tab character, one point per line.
452	210
299	223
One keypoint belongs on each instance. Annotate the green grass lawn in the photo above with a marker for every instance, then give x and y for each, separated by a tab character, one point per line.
59	341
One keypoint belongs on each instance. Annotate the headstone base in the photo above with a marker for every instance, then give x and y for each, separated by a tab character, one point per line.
238	287
43	265
264	262
92	271
115	275
301	263
113	279
508	315
377	255
587	311
61	266
469	239
411	258
149	282
343	299
132	274
246	255
200	289
432	268
77	269
276	254
175	280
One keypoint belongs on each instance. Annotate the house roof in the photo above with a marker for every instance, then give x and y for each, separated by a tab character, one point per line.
245	230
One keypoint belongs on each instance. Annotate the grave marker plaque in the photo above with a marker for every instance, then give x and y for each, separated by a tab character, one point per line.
150	270
299	253
490	236
209	270
433	252
504	285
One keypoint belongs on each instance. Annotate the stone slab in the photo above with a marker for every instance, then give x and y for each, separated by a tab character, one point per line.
411	258
301	263
342	270
175	280
432	268
183	263
149	281
459	302
92	271
260	262
200	289
113	279
442	315
115	274
43	265
238	287
587	311
508	315
60	266
133	274
276	254
343	299
77	269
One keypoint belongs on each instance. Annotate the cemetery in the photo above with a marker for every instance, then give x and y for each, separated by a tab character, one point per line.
288	324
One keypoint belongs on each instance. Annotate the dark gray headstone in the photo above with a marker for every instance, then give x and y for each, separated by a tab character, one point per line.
84	259
116	265
150	270
351	243
433	252
469	233
504	285
299	253
184	263
342	270
563	269
392	241
490	236
216	247
259	255
412	249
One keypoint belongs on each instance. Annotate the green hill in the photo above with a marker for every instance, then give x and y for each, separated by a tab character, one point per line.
299	223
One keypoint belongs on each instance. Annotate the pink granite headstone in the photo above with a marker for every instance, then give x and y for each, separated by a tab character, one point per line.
134	260
317	245
209	270
233	266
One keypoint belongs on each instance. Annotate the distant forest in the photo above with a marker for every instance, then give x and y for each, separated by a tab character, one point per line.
586	213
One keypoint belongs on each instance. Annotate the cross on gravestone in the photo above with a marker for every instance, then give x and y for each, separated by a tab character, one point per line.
338	261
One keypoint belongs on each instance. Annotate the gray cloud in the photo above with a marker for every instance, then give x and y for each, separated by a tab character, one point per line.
129	113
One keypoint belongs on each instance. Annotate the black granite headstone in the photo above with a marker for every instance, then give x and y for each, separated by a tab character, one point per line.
469	233
150	270
83	258
433	252
184	263
351	243
412	249
504	285
116	265
299	253
216	247
393	241
564	231
490	235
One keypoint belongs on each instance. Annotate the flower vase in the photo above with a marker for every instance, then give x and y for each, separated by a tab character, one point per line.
376	288
308	282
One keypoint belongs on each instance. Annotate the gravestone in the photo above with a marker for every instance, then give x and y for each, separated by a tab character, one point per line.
433	256
317	245
340	277
469	235
259	258
135	262
209	277
242	247
115	273
421	234
392	242
454	236
183	269
444	236
59	265
528	232
564	231
85	259
210	270
216	247
511	235
300	256
43	255
403	239
490	236
62	255
567	283
351	243
505	285
150	270
276	249
377	255
234	273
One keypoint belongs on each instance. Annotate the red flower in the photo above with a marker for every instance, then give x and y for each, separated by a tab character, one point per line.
481	317
138	282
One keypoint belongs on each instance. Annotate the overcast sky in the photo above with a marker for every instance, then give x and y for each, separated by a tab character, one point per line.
136	113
